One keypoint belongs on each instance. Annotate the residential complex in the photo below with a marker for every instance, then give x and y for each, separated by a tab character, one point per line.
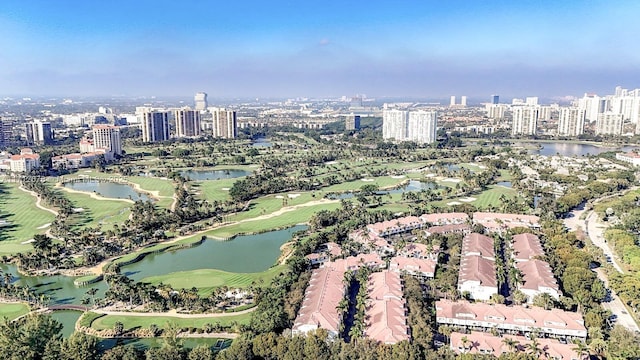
609	123
225	123
200	100
155	126
419	126
352	122
187	122
525	119
481	343
571	121
107	137
25	162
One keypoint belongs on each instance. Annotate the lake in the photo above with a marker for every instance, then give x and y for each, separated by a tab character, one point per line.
569	149
107	189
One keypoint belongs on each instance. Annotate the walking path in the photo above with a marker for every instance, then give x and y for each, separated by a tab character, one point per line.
174	313
594	230
39	201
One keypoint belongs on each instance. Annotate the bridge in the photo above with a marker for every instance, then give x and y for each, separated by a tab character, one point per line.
67	307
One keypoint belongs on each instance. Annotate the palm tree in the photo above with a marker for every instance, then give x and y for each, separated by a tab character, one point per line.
511	343
92	292
581	349
534	347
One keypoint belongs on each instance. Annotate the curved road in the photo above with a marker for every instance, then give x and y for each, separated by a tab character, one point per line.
594	230
173	313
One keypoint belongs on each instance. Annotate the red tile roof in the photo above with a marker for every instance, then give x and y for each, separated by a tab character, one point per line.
537	274
325	290
386	321
526	246
477	268
475	243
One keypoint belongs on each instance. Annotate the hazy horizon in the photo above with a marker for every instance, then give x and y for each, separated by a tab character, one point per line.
428	49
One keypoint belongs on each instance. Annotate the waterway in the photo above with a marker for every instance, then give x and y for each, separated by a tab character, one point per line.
68	320
107	189
569	149
199	175
261	142
244	254
412	185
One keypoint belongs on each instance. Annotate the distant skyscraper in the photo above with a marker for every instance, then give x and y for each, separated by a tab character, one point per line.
419	126
463	101
532	100
6	132
107	137
609	123
201	101
495	99
356	102
225	124
593	105
453	100
495	111
155	126
352	122
38	133
187	122
571	121
525	120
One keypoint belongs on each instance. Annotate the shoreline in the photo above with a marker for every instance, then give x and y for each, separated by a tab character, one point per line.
93	195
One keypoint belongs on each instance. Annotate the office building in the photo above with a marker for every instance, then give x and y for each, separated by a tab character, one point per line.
571	121
495	99
463	101
525	120
200	101
38	133
187	122
107	137
6	132
609	123
352	122
224	123
155	126
453	101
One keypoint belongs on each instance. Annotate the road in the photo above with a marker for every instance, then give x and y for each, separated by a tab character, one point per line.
594	230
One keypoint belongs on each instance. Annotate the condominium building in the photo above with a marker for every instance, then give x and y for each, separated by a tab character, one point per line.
495	111
609	123
525	120
629	157
480	343
107	137
419	126
224	123
385	314
352	122
537	278
593	105
155	126
187	122
38	132
571	121
200	100
477	277
25	162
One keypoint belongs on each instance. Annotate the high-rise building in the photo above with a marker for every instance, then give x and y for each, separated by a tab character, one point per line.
107	137
352	122
495	99
571	121
453	101
155	126
225	124
6	132
593	105
609	123
495	111
201	101
394	124
422	126
463	101
531	100
187	122
38	133
419	126
525	120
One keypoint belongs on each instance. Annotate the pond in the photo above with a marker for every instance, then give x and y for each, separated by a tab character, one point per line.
146	343
68	320
107	189
244	254
412	185
505	184
569	149
199	175
261	142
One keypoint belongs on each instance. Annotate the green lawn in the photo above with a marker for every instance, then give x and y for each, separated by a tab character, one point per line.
212	190
131	322
12	311
208	279
18	208
492	196
105	212
381	181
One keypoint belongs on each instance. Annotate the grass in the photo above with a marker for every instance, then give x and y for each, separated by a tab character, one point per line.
19	209
105	212
12	311
381	181
206	280
133	322
88	318
492	196
212	190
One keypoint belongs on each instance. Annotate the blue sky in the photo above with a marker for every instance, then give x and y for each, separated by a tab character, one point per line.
318	48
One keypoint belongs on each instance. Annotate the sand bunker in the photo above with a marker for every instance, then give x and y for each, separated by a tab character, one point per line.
368	180
44	226
293	196
454	203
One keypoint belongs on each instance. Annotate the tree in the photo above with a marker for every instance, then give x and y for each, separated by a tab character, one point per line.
511	343
80	346
581	348
122	353
30	337
118	328
201	352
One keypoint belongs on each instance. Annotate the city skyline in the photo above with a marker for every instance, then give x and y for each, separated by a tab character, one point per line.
427	49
